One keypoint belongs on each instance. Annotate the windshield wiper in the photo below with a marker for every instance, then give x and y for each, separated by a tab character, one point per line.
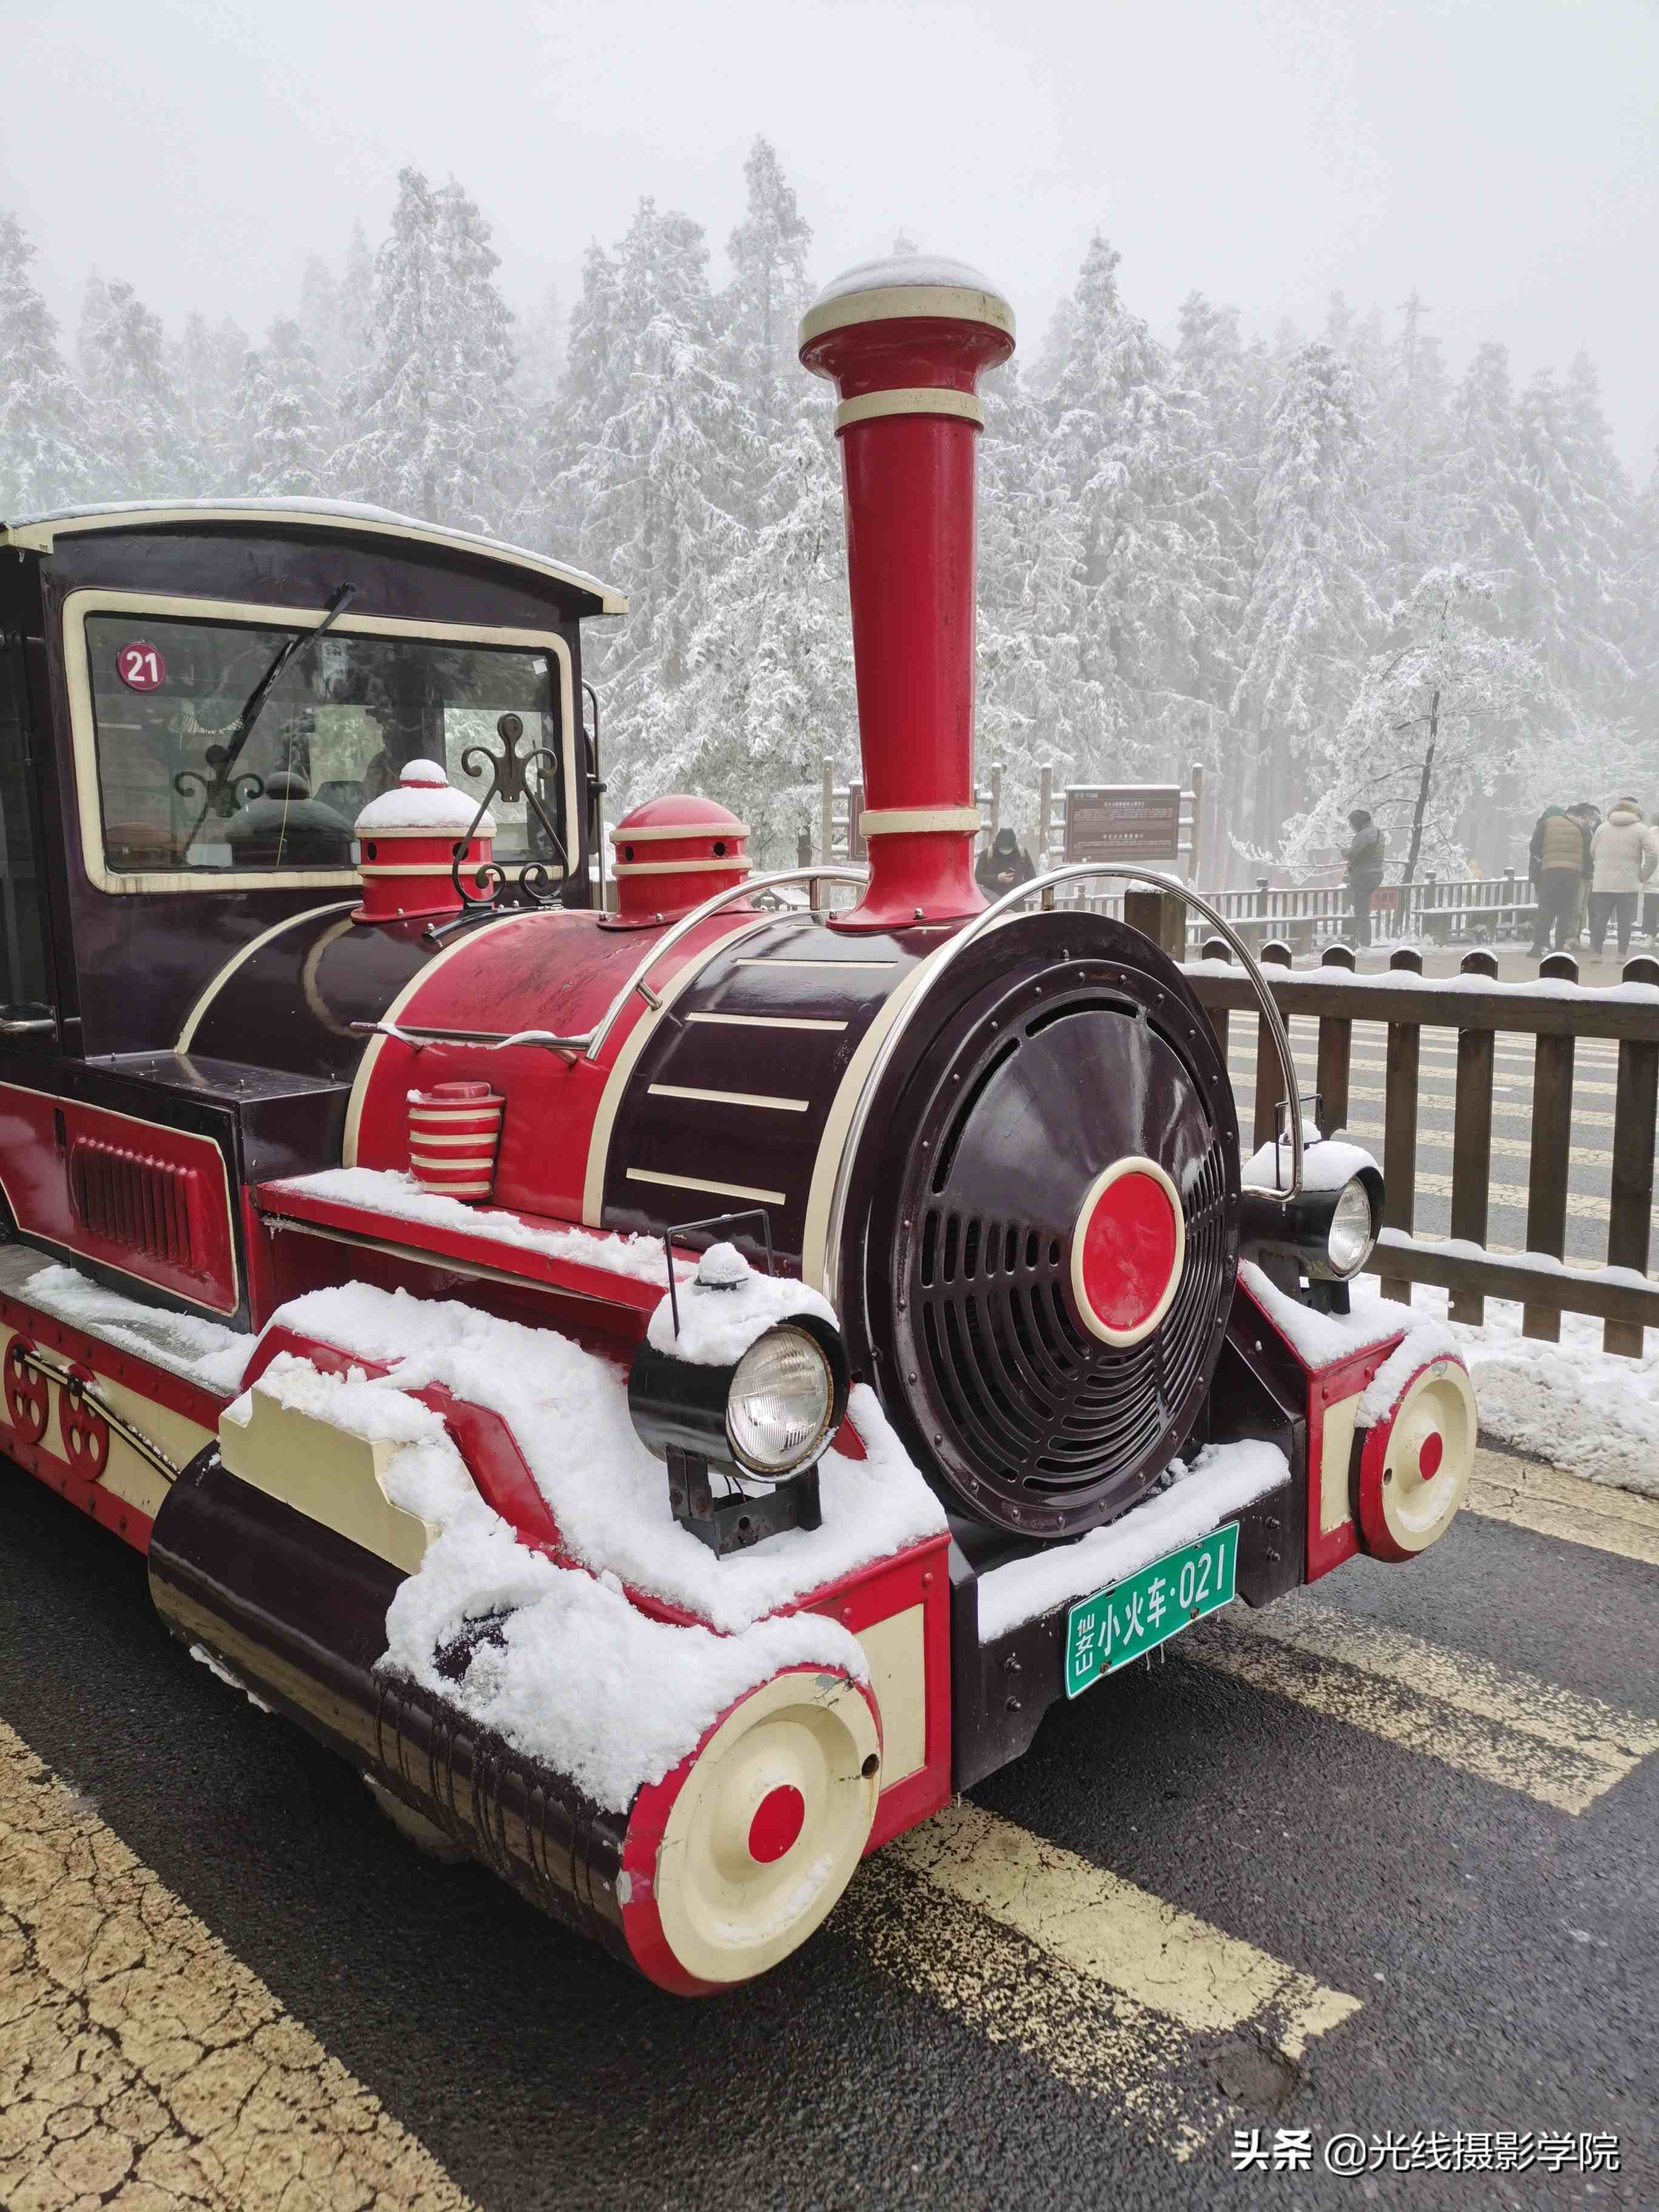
338	601
222	758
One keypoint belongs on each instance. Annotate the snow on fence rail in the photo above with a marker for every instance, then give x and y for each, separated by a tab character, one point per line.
1555	1013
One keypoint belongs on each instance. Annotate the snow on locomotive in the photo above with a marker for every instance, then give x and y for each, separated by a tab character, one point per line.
671	1394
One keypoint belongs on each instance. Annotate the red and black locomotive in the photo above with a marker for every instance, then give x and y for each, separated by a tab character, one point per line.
472	1291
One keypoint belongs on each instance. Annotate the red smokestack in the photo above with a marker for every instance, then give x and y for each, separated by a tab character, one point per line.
905	341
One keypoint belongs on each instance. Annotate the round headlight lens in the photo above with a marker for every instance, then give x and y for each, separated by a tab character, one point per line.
781	1398
1350	1241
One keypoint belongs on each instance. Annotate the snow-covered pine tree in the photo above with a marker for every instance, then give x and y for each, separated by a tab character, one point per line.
437	421
140	423
1131	450
760	311
1574	513
654	494
48	456
569	421
283	413
769	690
1413	497
208	364
1035	708
1438	722
1307	629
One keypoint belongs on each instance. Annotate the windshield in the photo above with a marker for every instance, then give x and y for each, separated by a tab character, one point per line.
336	731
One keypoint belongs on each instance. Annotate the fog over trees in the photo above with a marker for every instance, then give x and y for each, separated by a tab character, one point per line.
1332	567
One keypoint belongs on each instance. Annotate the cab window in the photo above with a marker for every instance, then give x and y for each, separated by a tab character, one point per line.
335	731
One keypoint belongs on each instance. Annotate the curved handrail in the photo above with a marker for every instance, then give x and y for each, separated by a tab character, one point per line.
595	1040
952	951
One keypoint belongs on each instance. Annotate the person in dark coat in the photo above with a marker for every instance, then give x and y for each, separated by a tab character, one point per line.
1364	869
1559	861
1004	863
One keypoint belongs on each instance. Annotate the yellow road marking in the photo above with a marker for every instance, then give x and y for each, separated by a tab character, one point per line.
1564	1749
140	2062
1552	1504
1108	1987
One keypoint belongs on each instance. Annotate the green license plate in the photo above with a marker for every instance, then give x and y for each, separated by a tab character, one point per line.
1105	1631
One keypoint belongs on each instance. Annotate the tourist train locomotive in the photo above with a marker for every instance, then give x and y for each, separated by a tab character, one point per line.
671	1384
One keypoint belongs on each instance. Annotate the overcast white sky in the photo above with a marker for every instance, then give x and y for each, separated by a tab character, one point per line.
1501	155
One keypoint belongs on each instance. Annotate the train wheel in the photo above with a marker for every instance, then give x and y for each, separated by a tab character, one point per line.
1414	1466
733	1859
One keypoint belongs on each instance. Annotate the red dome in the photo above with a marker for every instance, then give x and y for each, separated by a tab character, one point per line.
673	853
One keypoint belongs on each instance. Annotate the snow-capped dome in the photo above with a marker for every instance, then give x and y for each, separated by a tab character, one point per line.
907	272
425	803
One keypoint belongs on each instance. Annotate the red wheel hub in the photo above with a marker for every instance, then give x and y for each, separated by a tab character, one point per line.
779	1818
1128	1251
1430	1452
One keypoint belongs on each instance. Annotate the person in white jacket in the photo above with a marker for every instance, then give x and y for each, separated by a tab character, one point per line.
1623	853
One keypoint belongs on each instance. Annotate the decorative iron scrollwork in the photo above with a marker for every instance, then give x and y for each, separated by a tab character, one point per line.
535	884
220	789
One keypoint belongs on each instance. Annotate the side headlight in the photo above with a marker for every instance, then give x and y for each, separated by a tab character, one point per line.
780	1401
1352	1230
1326	1235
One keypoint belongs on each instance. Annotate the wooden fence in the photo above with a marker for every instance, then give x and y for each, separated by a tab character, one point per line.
1480	1008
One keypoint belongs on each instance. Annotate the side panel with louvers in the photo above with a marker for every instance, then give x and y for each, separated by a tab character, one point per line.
151	1202
128	1198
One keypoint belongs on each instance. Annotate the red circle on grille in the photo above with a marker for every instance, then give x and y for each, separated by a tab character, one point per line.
1430	1452
1130	1241
779	1818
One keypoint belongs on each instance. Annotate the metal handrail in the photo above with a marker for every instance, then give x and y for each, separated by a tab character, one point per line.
595	1040
589	1043
952	951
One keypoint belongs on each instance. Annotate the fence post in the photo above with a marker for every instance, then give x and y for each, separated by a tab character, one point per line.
1198	821
1552	1146
1400	1124
1335	1051
1268	1075
1629	1211
1217	948
1471	1139
996	800
827	814
1045	805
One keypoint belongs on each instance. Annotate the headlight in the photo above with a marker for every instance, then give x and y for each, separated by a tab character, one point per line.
1351	1234
781	1400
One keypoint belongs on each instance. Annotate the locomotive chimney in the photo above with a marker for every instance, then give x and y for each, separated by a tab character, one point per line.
904	342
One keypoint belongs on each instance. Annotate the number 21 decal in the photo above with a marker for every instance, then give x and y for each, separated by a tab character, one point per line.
140	667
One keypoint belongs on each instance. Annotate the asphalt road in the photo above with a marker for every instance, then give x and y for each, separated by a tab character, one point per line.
1415	1824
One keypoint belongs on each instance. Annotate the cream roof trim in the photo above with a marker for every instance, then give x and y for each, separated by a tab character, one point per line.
901	301
39	536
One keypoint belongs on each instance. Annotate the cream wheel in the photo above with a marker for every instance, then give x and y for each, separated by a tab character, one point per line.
768	1824
1414	1470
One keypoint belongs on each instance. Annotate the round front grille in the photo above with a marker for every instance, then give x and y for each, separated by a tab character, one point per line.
1018	1405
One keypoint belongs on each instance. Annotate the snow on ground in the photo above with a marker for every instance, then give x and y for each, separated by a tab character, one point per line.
561	1665
1582	1409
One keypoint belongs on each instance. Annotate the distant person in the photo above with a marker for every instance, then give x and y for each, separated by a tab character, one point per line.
1650	899
1588	819
1622	856
1364	865
1004	863
1558	862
